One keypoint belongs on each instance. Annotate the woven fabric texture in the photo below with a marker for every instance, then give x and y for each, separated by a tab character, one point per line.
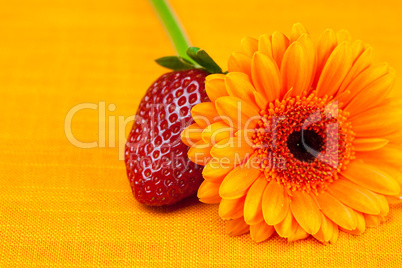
66	206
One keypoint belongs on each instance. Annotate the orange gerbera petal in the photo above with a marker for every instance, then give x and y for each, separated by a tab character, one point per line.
239	62
335	234
209	193
191	134
369	144
336	68
266	76
393	172
236	112
382	203
358	47
288	226
326	230
361	225
260	100
279	45
307	42
215	86
378	90
371	178
261	231
361	63
239	86
379	122
306	212
236	227
237	182
232	150
336	211
390	155
299	234
326	44
253	202
230	209
216	170
265	45
204	114
343	36
372	220
362	81
297	30
396	199
275	203
295	69
249	45
199	153
355	196
216	132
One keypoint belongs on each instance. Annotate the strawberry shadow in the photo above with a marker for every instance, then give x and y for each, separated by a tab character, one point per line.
186	203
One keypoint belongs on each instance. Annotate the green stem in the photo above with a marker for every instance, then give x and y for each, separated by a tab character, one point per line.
173	27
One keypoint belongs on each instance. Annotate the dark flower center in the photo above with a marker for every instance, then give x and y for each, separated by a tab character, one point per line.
303	142
305	145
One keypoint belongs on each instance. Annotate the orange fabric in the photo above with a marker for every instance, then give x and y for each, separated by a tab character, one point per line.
64	206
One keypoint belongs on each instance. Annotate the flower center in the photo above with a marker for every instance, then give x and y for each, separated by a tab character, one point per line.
305	145
303	142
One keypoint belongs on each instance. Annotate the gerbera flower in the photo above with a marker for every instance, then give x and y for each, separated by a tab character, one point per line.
299	138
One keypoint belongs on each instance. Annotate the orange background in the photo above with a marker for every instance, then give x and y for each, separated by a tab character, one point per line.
63	206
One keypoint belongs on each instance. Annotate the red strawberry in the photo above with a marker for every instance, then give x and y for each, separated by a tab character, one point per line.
158	168
156	159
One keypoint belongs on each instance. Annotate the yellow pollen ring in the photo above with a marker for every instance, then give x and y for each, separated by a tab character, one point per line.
301	113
